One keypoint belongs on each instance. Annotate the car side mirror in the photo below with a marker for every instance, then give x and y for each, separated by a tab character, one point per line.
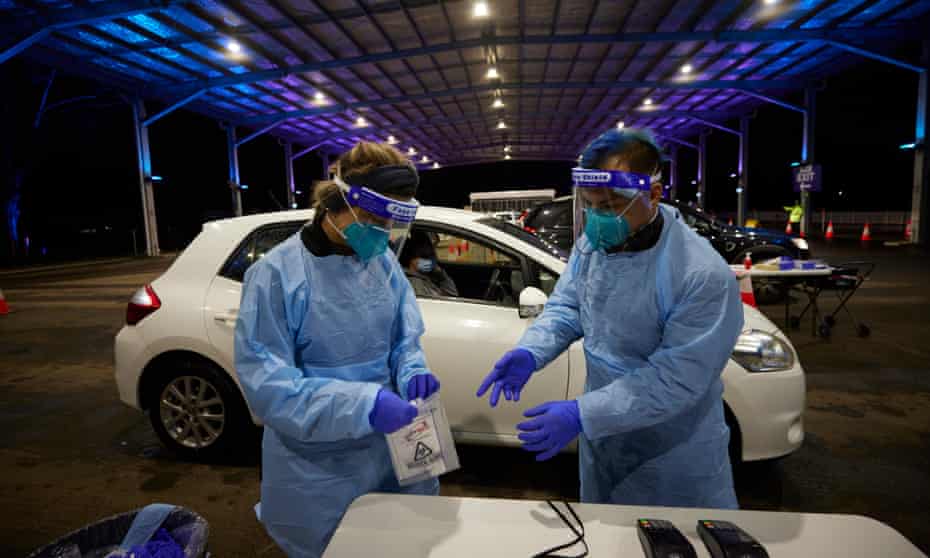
532	302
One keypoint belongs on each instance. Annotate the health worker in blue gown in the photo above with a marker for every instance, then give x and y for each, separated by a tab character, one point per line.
659	313
327	350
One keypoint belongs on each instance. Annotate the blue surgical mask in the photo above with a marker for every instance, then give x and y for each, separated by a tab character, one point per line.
605	229
366	240
425	265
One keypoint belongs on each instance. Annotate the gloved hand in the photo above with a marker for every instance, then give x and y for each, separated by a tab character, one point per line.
510	374
422	386
555	425
390	412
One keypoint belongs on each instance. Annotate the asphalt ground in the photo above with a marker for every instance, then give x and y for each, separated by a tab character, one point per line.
72	453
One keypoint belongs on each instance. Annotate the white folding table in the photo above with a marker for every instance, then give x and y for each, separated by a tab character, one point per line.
789	278
392	525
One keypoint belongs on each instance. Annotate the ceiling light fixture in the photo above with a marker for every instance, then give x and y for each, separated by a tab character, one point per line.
492	73
481	9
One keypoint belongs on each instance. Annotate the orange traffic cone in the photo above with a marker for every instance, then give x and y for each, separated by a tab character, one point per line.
908	231
788	229
866	232
745	290
829	235
730	222
4	308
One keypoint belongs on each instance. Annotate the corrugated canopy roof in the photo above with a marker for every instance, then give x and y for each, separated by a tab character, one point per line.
418	69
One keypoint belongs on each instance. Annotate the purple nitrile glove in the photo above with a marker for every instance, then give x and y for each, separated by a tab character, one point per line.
553	426
390	412
509	375
422	386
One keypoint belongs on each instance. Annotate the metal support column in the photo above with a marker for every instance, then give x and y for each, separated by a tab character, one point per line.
232	153
324	157
807	151
702	169
673	173
742	190
289	174
920	204
144	160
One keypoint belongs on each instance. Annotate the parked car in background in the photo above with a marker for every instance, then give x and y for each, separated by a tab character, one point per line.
512	217
552	222
174	357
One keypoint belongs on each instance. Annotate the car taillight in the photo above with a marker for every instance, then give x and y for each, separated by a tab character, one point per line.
529	229
143	303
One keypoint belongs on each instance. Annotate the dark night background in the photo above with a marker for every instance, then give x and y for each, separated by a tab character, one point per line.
79	184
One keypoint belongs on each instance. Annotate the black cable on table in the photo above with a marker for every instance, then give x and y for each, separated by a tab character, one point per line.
578	532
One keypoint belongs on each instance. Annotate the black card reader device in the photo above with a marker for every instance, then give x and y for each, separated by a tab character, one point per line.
660	539
726	540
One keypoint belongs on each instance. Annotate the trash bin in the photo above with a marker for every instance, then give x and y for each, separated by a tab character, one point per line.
98	539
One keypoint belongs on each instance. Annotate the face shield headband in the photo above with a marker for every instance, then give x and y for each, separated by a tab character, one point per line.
625	183
377	204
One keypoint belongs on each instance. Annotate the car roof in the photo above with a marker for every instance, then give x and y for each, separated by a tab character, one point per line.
248	223
223	235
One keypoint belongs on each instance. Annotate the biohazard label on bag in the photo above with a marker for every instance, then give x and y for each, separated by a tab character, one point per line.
424	448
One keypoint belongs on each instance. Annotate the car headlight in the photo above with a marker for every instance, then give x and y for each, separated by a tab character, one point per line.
757	351
800	243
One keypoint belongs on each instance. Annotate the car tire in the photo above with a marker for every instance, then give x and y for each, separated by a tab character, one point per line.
198	412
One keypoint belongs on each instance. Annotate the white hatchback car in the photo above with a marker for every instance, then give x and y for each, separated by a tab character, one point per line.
174	358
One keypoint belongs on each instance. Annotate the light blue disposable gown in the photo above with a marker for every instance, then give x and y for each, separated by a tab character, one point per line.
316	338
658	328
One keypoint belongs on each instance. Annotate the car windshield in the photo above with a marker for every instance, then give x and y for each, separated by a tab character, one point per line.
529	238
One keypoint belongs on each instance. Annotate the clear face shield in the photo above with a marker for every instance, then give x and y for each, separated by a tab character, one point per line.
381	222
601	200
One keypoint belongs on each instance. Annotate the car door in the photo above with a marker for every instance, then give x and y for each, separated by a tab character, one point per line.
221	307
467	334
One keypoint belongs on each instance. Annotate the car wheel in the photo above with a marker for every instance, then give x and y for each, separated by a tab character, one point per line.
198	412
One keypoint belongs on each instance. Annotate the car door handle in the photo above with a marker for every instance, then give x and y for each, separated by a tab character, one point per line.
226	318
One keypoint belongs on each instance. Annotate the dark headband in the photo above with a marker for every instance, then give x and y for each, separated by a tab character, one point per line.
400	180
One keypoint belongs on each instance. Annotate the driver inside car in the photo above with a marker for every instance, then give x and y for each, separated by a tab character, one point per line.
421	266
